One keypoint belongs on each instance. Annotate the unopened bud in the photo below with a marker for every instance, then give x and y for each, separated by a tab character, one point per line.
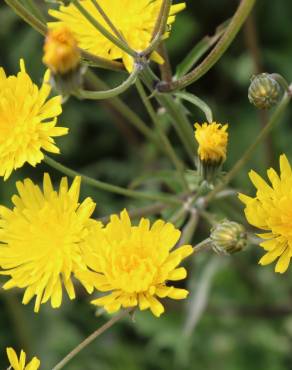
264	91
62	56
228	237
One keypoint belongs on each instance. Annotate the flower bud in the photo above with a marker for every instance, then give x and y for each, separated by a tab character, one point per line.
62	56
212	139
228	237
264	91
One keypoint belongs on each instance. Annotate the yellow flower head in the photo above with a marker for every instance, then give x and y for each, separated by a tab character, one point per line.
41	237
27	121
134	263
134	19
271	210
61	53
213	140
19	364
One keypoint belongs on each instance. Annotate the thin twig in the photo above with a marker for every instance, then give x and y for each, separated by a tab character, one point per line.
91	338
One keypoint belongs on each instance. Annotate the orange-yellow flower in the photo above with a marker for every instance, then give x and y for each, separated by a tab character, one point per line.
61	53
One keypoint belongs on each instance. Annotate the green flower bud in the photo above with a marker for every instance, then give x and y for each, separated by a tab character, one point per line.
228	237
264	91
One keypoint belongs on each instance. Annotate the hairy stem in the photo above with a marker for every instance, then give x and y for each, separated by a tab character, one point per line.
233	28
163	138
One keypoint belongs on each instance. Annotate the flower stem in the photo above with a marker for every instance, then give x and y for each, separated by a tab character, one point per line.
202	245
164	139
109	22
27	16
123	109
160	27
179	120
109	187
245	157
233	28
91	338
119	43
111	93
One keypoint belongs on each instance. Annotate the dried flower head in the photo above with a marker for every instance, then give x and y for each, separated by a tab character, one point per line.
270	210
41	237
134	264
27	121
134	19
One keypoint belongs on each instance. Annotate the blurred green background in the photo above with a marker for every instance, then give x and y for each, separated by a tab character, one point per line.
239	315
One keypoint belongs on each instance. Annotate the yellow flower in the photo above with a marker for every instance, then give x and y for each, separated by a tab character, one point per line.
271	210
41	238
19	364
134	19
61	53
212	139
134	263
27	121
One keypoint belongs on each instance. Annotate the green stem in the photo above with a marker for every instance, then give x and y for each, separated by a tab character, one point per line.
233	28
109	22
35	10
164	139
189	229
178	118
91	338
111	93
160	27
27	16
245	157
123	109
109	187
180	123
120	44
202	245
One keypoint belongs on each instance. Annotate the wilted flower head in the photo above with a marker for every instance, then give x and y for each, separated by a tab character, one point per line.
27	121
134	19
41	237
270	210
212	139
134	264
61	53
19	364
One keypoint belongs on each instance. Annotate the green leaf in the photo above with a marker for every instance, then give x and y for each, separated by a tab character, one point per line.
197	102
199	50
